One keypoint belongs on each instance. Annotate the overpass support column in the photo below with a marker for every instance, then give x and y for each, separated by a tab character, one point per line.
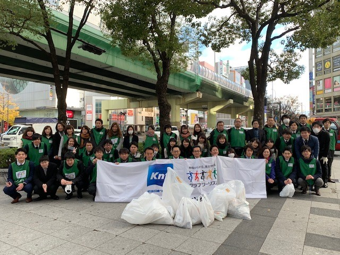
175	117
213	108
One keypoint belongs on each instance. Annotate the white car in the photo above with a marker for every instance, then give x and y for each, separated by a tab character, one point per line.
174	129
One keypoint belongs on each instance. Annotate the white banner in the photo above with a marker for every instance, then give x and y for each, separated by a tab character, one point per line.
124	182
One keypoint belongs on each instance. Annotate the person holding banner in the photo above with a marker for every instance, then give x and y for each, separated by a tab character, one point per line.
108	151
71	174
196	152
285	169
222	145
270	167
309	171
248	152
237	136
124	157
176	152
92	171
214	151
148	154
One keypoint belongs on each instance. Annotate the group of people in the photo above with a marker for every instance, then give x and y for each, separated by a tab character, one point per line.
293	152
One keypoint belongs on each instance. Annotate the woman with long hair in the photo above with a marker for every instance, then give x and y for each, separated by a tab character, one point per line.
27	137
186	148
184	133
83	138
70	145
69	132
116	136
202	142
130	137
266	154
58	142
222	145
46	138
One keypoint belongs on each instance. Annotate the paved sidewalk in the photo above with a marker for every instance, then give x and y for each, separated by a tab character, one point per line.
304	224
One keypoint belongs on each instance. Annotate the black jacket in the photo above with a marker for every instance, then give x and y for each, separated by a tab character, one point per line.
50	178
324	140
126	142
78	178
250	134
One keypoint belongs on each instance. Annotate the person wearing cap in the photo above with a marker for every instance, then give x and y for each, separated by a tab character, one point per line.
333	138
324	140
285	141
165	138
285	120
45	179
70	175
20	177
92	171
35	149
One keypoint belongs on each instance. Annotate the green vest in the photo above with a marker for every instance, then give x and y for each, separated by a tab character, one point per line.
120	160
115	141
283	144
244	156
109	157
271	133
205	152
86	159
283	126
333	138
269	166
286	167
223	152
308	169
171	157
35	154
66	138
144	160
98	136
307	125
166	138
216	134
94	175
72	172
20	173
25	142
47	141
150	140
296	135
237	137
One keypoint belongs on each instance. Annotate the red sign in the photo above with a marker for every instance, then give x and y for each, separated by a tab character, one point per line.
114	117
69	114
121	117
130	112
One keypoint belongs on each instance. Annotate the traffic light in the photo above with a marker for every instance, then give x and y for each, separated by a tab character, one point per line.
91	48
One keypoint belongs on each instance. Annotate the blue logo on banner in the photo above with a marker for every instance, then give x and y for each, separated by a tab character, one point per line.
157	173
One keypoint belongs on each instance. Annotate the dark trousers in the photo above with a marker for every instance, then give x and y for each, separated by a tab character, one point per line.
10	191
317	183
51	190
79	186
324	168
238	151
92	189
269	186
330	162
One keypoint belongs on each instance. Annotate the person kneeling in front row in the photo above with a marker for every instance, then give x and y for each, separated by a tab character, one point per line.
92	171
285	169
45	179
309	171
71	174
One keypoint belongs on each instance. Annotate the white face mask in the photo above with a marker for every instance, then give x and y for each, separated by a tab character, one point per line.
155	153
231	155
130	132
286	121
316	130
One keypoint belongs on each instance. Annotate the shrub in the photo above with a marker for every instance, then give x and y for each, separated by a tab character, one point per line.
6	157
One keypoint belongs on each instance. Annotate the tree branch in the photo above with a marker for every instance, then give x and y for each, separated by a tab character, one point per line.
284	33
154	58
31	42
224	6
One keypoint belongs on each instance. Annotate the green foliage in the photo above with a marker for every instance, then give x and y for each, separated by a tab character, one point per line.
5	156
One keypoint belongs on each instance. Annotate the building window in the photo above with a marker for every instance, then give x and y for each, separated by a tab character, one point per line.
327	50
336	105
328	104
319	105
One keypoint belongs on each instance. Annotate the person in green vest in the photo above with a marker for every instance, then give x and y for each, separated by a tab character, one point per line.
71	145
237	136
285	169
270	167
285	119
248	152
271	145
286	140
108	151
202	142
184	133
309	171
35	149
148	154
69	132
165	138
271	129
294	127
27	137
46	138
20	177
214	151
134	153
91	171
196	152
150	138
303	122
88	155
116	136
124	157
83	138
98	133
171	144
222	145
333	138
176	152
155	148
216	132
70	175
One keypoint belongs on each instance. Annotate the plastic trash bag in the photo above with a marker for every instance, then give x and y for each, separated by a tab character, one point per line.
174	188
148	208
239	208
219	198
288	191
206	211
239	189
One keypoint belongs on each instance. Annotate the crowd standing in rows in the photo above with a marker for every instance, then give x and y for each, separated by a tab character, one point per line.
295	153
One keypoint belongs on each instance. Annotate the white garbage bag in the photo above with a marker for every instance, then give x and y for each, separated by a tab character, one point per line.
239	208
206	211
174	188
148	208
288	191
183	218
219	198
239	189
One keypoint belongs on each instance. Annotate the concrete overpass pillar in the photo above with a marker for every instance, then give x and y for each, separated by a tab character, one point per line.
211	117
175	117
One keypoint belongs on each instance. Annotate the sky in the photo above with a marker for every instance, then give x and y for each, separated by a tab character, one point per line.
238	55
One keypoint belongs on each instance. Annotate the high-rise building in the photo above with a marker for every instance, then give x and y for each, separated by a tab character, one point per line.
324	77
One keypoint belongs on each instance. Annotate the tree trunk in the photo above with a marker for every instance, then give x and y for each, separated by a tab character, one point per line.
61	103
